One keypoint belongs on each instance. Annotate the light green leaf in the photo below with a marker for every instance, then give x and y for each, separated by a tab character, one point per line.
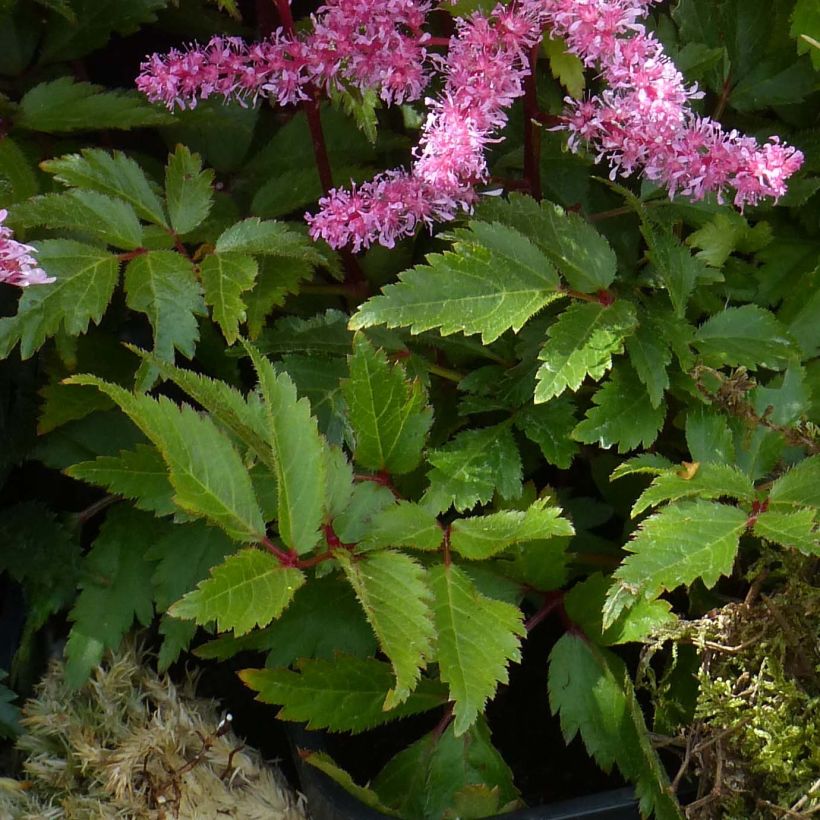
477	638
650	356
708	437
798	487
591	691
565	67
389	414
366	500
748	336
392	589
494	279
403	525
114	174
470	468
104	218
642	464
188	190
679	544
581	343
550	426
805	24
344	694
622	415
225	277
791	529
256	236
298	453
86	278
248	589
483	536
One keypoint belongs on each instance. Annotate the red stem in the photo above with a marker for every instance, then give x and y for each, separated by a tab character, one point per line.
552	601
532	133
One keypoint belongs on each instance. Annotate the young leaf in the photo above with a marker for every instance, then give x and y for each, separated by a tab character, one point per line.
188	190
139	474
791	529
343	694
403	525
298	452
226	277
389	414
106	219
798	487
591	691
581	343
395	598
622	415
494	279
248	589
114	174
86	278
550	426
483	536
467	470
682	542
477	638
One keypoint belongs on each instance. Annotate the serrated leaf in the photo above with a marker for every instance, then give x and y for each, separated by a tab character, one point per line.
708	437
550	426
116	589
567	68
86	278
298	453
580	252
256	236
106	219
790	529
63	403
344	694
682	542
188	190
642	464
650	356
139	474
477	639
363	795
581	343
591	691
710	481
394	595
64	105
470	468
17	175
494	279
278	278
206	472
114	174
747	336
483	536
622	415
226	277
800	486
403	525
366	500
389	413
162	285
677	269
248	589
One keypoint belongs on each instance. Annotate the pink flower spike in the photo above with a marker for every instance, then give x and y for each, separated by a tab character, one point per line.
17	263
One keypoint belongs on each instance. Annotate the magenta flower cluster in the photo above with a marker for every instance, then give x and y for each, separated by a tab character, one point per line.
17	263
643	121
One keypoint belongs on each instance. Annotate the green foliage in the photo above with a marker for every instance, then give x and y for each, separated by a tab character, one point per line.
188	190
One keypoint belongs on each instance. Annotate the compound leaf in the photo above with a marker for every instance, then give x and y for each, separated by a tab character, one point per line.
188	190
225	277
791	529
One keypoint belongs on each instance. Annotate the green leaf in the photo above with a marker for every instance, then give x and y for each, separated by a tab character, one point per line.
650	355
188	190
477	638
709	481
550	426
747	336
207	473
494	279
483	536
708	437
264	237
366	500
226	277
790	529
623	414
395	598
582	254
86	278
139	474
278	278
565	67
248	589
114	174
162	285
677	269
106	219
363	795
403	525
116	589
64	105
642	464
581	343
679	544
17	178
805	22
389	414
343	694
726	233
469	469
798	487
591	691
298	452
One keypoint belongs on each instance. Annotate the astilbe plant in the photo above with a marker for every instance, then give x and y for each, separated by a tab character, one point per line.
592	395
